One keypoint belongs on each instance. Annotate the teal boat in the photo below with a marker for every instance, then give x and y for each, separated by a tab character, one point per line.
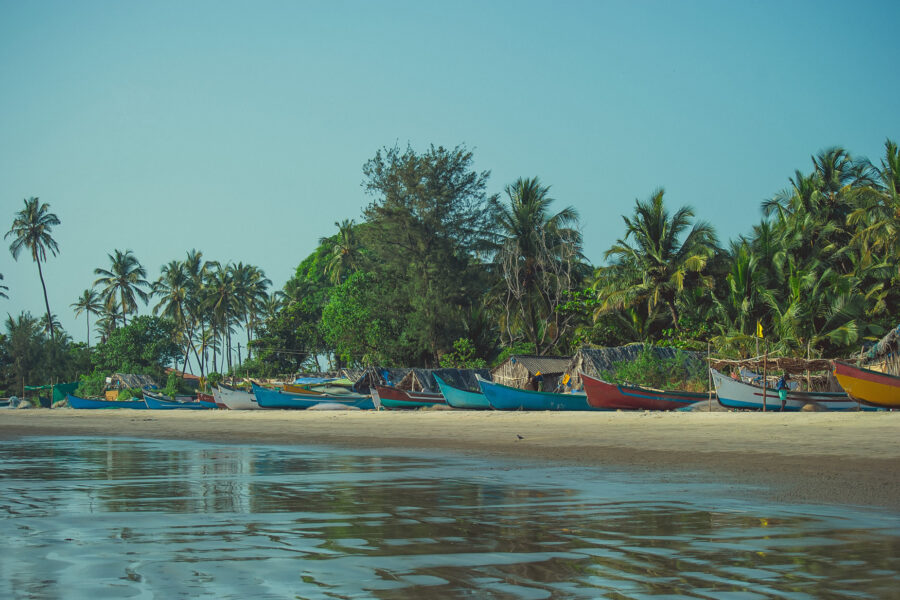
92	403
267	398
458	398
503	397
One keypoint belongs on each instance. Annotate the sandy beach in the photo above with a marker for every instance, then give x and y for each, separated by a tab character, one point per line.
843	458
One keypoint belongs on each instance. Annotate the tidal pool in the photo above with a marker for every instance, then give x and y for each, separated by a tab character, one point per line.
103	518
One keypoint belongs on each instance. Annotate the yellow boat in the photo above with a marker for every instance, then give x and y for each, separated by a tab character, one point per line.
871	387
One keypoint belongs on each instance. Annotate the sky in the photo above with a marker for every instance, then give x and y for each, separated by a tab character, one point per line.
241	128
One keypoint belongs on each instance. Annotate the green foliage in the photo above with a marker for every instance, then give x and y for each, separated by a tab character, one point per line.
463	356
351	323
91	384
213	379
680	372
143	346
129	393
514	349
176	385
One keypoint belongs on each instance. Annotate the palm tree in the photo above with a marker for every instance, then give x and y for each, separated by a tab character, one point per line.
173	288
31	229
220	303
540	258
251	294
89	304
3	288
125	278
346	254
652	269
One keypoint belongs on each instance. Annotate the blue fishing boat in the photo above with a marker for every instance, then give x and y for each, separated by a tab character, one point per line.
267	398
92	403
458	398
502	397
157	403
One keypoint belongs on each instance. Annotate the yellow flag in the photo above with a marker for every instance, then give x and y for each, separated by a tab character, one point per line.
759	329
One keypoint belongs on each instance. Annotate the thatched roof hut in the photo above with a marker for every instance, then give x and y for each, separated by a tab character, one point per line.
422	380
886	353
594	361
129	380
516	371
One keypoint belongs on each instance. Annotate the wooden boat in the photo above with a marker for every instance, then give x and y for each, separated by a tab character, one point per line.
235	399
210	398
267	398
458	398
871	387
394	398
158	403
92	403
737	394
502	397
601	394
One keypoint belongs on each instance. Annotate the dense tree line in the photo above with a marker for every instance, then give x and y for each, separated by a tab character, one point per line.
440	271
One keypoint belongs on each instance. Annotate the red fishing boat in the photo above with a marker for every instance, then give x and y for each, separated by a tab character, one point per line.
601	394
391	397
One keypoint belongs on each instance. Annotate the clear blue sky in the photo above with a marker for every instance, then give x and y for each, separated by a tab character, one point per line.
240	128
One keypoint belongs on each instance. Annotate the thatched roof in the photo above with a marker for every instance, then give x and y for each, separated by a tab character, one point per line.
788	364
889	344
422	380
547	365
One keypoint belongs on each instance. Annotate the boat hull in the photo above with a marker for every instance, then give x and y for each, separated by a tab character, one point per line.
601	394
393	398
90	403
236	399
502	397
737	394
871	387
457	398
155	403
267	398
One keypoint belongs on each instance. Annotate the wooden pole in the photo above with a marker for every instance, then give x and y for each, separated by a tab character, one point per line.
765	374
708	381
808	380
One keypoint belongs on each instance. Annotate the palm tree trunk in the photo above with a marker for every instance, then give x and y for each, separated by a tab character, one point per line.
46	302
674	312
88	315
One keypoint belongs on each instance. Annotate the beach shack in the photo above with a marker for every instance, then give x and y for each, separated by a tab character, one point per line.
520	370
120	381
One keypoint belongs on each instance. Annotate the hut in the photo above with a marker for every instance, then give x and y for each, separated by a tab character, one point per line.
120	381
885	355
422	380
594	361
517	371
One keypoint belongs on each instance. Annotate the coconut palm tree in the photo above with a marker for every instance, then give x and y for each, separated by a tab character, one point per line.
3	288
540	257
656	263
31	229
220	304
88	303
124	278
346	254
251	294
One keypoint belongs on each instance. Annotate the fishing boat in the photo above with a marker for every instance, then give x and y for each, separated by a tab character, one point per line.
395	398
457	398
502	397
235	399
158	403
733	393
267	398
616	396
871	387
93	403
210	398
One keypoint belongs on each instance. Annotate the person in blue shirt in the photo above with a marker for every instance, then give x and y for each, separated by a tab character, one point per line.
782	387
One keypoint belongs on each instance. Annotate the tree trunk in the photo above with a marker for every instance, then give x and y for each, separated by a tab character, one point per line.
88	314
674	312
46	303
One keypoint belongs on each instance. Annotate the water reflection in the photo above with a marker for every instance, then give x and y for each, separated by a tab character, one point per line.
129	518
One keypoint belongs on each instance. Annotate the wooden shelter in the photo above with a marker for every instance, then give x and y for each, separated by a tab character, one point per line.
517	371
885	355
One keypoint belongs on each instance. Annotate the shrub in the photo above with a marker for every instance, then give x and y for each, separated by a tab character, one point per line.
681	372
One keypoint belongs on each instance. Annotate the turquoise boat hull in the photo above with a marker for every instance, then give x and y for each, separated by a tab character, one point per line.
458	398
502	397
162	404
90	403
267	398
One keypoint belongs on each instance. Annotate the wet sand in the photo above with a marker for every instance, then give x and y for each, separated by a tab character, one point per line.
839	458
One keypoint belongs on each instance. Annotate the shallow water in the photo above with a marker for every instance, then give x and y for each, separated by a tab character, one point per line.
159	519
